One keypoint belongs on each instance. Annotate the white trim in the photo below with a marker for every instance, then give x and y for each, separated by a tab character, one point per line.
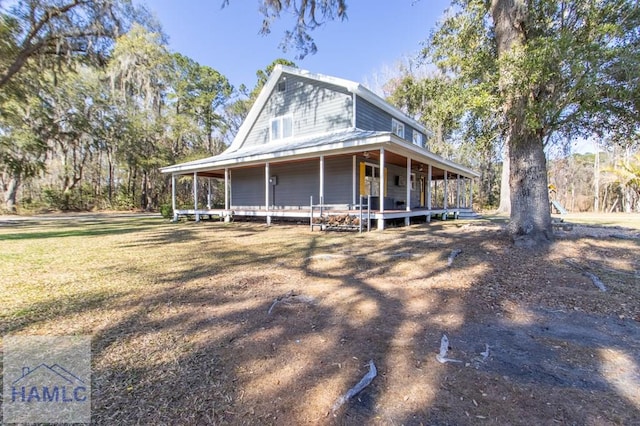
446	190
420	138
458	192
280	119
195	195
383	182
394	143
173	192
267	187
354	188
429	180
409	175
322	179
226	188
397	127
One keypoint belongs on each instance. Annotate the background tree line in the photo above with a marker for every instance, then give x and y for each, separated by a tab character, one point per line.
92	102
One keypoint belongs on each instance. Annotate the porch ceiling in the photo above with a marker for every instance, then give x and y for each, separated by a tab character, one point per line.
372	156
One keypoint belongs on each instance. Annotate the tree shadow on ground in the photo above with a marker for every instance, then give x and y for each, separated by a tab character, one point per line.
275	332
242	364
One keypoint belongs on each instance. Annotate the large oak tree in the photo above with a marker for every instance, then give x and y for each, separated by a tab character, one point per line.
565	69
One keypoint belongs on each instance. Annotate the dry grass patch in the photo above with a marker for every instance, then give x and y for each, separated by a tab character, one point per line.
185	329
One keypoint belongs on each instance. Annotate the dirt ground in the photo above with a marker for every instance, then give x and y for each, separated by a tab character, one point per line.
287	323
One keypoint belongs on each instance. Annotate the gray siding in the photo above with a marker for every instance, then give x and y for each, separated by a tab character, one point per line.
398	193
316	107
296	183
370	117
247	187
338	180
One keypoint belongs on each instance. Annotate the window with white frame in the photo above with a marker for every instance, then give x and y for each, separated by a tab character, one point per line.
418	138
397	127
281	128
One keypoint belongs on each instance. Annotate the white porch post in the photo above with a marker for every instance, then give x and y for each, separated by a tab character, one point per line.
173	196
446	190
354	189
195	196
322	179
383	184
267	191
471	193
209	193
227	200
463	193
226	189
408	202
429	179
458	192
407	220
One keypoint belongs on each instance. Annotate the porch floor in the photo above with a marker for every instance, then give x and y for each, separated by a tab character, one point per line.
317	212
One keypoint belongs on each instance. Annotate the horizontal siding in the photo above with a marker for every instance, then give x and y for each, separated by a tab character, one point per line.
370	117
398	193
247	187
316	107
297	182
338	180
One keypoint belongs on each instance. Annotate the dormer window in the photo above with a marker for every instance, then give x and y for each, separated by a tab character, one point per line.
281	128
418	139
397	127
282	85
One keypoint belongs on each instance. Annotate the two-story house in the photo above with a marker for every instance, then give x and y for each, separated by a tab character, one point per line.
315	139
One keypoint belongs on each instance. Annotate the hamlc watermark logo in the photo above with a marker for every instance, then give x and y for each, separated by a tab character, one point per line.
47	379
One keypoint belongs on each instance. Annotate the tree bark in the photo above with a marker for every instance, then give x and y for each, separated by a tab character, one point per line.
530	220
505	198
12	193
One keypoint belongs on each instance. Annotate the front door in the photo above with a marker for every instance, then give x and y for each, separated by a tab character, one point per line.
371	180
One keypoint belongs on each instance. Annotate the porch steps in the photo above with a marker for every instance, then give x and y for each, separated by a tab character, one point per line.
467	214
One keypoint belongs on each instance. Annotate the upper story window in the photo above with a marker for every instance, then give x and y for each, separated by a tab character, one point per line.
418	138
397	127
282	85
281	128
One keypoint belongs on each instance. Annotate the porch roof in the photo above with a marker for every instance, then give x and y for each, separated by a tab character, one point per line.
340	142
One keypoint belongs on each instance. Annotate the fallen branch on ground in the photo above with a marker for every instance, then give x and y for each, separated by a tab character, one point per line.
594	278
452	256
444	347
634	274
288	298
363	383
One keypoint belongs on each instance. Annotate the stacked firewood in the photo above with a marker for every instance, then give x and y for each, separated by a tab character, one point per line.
337	220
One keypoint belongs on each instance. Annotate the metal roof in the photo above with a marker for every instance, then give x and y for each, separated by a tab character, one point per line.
340	142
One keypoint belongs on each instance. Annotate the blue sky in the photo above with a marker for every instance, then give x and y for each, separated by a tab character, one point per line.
376	35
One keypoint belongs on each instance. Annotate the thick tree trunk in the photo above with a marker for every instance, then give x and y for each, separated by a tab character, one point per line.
530	222
11	194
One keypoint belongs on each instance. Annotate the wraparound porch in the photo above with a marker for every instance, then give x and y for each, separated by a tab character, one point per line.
367	218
